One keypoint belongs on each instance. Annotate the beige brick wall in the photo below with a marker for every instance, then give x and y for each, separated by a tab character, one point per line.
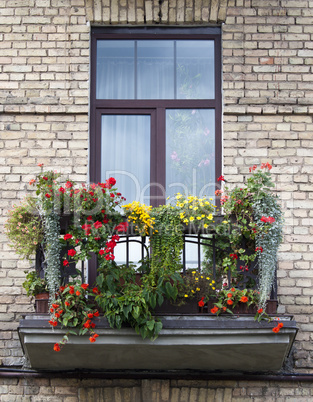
136	390
268	98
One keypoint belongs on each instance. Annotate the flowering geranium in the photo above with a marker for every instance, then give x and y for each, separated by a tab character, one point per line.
73	309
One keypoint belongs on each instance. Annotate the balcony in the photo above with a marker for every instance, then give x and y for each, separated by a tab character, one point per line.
192	338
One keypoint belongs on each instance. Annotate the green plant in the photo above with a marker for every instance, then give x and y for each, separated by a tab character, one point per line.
252	242
24	229
34	285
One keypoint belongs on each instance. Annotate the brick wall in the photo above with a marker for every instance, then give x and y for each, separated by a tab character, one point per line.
119	390
268	98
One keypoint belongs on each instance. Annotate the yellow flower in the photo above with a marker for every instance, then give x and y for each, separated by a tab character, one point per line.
192	219
213	281
225	222
198	289
186	296
205	225
194	272
178	196
192	291
199	218
207	278
213	288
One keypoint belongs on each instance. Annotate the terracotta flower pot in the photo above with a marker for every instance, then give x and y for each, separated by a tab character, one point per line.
42	303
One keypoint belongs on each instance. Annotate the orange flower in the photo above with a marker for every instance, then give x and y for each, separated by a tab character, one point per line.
56	347
214	310
260	311
244	299
275	329
92	339
280	325
229	295
232	289
85	286
77	292
230	302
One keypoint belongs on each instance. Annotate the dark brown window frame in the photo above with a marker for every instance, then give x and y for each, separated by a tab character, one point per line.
159	106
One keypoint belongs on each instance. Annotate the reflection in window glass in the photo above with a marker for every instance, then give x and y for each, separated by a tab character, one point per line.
190	152
125	154
195	69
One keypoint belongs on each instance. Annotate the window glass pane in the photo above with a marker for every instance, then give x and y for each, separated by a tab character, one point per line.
155	74
195	69
190	152
125	154
115	69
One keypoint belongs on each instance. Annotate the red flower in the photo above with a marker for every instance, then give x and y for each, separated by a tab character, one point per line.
232	289
68	184
92	339
67	236
53	323
260	311
224	199
65	263
275	329
54	305
85	286
62	288
112	181
230	302
56	347
87	324
280	325
101	252
234	256
51	310
89	218
77	292
71	292
229	295
57	315
259	249
252	168
67	303
90	315
221	178
115	238
214	310
40	164
266	166
93	325
48	195
122	227
267	219
95	290
244	299
96	313
62	190
71	252
109	257
45	178
97	225
201	302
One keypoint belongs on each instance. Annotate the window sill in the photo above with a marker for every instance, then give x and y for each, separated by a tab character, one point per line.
196	342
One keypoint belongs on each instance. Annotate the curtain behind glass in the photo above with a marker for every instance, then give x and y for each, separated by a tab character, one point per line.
190	152
125	154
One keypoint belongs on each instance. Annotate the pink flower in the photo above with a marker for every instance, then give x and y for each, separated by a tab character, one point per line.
174	156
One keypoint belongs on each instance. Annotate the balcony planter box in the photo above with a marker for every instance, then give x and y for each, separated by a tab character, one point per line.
170	308
195	342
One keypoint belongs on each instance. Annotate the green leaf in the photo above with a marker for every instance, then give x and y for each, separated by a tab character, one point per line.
150	324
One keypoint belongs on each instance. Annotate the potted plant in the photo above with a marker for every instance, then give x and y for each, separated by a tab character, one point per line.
37	287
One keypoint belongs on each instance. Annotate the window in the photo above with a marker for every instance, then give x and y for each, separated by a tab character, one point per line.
156	111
